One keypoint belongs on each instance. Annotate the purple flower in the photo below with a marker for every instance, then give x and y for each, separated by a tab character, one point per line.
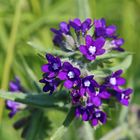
124	96
98	116
15	85
70	74
102	30
50	84
91	114
76	96
64	28
85	112
14	107
53	66
81	26
88	85
114	81
117	43
96	98
92	48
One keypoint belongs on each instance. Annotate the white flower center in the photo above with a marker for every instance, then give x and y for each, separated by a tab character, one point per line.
113	81
97	92
92	50
55	66
71	74
98	115
87	83
123	96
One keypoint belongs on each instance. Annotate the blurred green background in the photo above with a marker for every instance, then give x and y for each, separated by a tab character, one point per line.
23	21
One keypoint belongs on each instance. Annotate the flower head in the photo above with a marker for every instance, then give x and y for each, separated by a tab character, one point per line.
124	95
117	43
102	30
70	74
91	114
115	80
99	95
81	26
50	84
98	116
88	85
53	66
92	48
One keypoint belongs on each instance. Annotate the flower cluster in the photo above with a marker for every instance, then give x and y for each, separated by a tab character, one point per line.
14	107
103	39
86	92
87	95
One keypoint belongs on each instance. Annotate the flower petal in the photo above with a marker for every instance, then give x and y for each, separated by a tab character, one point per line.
45	68
99	42
110	30
89	40
100	52
121	81
94	122
96	101
62	75
68	84
83	49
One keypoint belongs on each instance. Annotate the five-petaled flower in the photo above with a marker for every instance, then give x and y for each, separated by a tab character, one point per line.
92	48
115	80
70	75
53	66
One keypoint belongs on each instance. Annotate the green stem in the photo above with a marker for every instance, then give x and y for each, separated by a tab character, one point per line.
10	53
36	6
83	9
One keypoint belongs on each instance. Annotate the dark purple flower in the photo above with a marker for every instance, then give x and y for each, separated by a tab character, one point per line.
117	43
14	107
114	81
102	30
70	74
50	84
92	48
98	116
64	28
96	98
81	26
88	85
76	96
91	114
53	66
124	96
85	112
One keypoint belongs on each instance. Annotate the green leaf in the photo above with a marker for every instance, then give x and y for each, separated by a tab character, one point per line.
38	126
124	65
41	100
62	129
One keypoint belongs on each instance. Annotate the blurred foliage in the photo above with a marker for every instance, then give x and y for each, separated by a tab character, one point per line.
33	25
